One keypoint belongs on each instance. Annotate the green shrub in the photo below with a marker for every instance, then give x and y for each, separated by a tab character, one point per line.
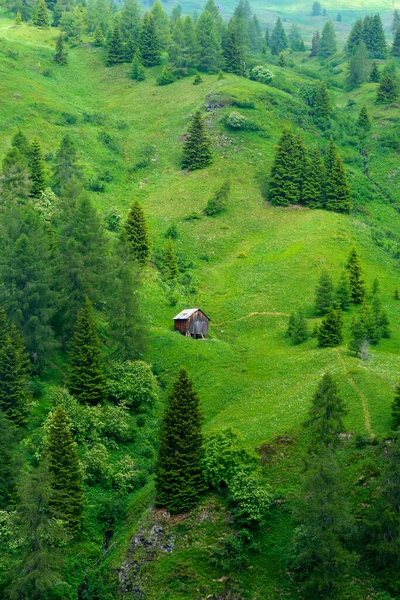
261	74
236	121
133	385
96	465
250	497
165	77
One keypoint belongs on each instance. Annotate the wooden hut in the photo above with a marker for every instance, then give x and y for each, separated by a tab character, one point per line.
192	322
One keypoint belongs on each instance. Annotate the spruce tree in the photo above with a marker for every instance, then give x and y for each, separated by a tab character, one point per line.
8	470
18	19
337	190
343	291
374	76
66	165
116	50
208	43
60	55
98	37
198	80
14	366
149	45
327	45
197	153
278	40
324	293
315	44
396	408
67	497
3	328
137	70
233	51
316	9
14	181
36	166
358	66
330	157
356	281
170	261
21	143
396	43
325	416
364	122
377	43
166	76
137	232
179	481
130	23
330	333
396	20
297	328
40	14
387	89
281	61
313	184
162	24
359	337
322	105
356	36
87	381
287	173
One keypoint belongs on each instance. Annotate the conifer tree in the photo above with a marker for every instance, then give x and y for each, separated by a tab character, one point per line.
356	281
67	497
8	469
316	9
322	106
356	36
116	50
396	43
40	14
60	55
327	45
396	294
396	20
330	157
295	42
98	38
337	190
149	45
325	417
287	173
137	232
396	408
278	40
364	122
198	79
14	181
281	61
87	382
330	333
208	43
374	76
18	19
137	70
130	23
162	25
13	378
3	328
315	44
297	329
37	175
376	42
358	66
324	293
313	184
387	90
170	261
66	165
197	153
179	481
343	291
359	336
233	51
20	142
166	76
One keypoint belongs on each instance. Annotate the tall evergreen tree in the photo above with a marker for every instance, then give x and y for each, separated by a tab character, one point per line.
387	90
358	66
233	51
396	43
149	45
322	105
327	45
297	328
208	43
67	497
295	41
137	232
337	190
137	70
14	180
161	23
60	55
287	173
116	53
21	143
130	23
3	328
359	336
316	40
313	184
66	165
197	152
37	174
179	481
13	378
343	291
357	285
324	293
316	9
376	42
364	122
374	76
278	38
8	466
40	14
330	333
356	36
396	20
98	37
88	382
325	417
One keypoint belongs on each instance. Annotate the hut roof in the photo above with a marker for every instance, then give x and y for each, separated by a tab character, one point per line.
187	313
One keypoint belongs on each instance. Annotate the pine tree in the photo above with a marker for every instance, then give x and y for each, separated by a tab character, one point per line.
322	105
130	25
197	153
88	382
13	378
98	38
396	20
40	14
396	43
357	285
358	66
343	291
3	328
327	45
37	175
179	481
377	43
297	329
396	408
162	25
166	76
278	39
313	184
356	36
233	51
209	49
364	122
315	44
116	50
20	142
387	90
8	470
170	261
60	55
137	232
287	173
325	416
337	190
281	61
149	45
137	71
295	42
18	19
374	76
330	333
198	80
66	165
67	497
330	157
358	337
14	181
316	9
324	293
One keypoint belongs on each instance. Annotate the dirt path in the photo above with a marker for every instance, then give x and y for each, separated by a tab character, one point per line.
360	393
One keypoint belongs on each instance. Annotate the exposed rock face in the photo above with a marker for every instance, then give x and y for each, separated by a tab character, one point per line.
144	547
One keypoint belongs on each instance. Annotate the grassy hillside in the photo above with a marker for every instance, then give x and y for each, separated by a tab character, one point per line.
249	268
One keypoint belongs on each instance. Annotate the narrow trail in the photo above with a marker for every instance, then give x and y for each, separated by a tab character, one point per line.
360	393
253	314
